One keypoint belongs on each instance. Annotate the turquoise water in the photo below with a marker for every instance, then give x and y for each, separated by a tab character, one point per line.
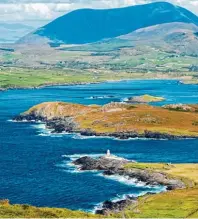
35	165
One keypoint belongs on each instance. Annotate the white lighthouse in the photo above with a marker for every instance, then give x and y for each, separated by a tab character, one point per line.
108	153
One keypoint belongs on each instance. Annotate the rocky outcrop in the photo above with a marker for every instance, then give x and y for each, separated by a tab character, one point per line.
115	207
29	117
65	124
102	163
113	165
127	135
182	107
149	177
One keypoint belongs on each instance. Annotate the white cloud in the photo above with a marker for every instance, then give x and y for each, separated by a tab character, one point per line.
46	10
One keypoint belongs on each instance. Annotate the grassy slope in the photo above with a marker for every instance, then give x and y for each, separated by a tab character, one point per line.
28	78
173	204
187	172
118	117
31	66
26	211
140	118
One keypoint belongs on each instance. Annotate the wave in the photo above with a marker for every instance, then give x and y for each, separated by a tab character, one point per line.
76	156
131	195
45	132
132	182
100	97
125	99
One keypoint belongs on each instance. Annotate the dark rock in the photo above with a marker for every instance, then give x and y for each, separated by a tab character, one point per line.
60	125
112	165
29	117
86	163
102	163
109	206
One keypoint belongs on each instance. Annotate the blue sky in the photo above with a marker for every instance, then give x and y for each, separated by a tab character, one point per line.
27	15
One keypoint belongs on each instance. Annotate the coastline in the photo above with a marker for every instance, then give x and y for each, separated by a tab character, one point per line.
96	82
115	166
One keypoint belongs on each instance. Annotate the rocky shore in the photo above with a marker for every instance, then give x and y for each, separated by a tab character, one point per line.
113	165
118	120
67	124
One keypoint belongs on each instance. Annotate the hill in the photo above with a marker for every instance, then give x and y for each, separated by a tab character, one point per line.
90	25
117	120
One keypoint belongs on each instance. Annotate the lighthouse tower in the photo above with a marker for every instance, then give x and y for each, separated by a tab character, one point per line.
108	153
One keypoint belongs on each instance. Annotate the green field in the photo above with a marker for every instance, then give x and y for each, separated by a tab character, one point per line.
30	78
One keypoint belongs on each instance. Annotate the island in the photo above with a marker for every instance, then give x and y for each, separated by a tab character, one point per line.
144	99
119	120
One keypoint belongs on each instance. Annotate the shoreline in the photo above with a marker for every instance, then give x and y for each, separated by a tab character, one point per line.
111	165
2	89
54	128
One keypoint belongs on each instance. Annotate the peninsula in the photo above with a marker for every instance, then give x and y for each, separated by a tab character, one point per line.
117	120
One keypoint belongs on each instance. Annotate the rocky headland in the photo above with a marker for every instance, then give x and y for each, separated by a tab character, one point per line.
113	165
117	120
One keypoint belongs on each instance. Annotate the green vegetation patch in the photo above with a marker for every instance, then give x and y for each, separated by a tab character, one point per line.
27	211
173	204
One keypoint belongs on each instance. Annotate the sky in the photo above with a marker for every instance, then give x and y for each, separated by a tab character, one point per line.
36	13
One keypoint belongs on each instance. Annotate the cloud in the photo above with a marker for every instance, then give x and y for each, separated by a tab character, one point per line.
42	11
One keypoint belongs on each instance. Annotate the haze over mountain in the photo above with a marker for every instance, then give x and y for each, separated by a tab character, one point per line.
89	25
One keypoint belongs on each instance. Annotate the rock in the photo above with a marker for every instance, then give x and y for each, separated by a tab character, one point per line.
65	124
102	163
30	117
112	165
151	178
115	207
87	163
180	107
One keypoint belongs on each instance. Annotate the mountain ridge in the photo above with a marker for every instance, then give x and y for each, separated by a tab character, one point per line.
91	25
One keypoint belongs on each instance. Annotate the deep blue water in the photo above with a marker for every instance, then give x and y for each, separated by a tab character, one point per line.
34	165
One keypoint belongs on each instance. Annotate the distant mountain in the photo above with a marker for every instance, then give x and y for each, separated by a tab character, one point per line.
181	38
89	25
10	32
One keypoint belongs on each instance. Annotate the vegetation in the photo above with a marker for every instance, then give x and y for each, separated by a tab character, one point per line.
118	117
26	211
146	99
187	172
27	78
173	204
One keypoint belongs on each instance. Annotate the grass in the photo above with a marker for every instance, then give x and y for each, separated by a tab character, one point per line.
148	98
139	119
187	172
173	204
118	117
26	211
181	203
27	78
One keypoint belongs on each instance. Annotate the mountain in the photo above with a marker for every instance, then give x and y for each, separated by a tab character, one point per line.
176	37
10	32
90	25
